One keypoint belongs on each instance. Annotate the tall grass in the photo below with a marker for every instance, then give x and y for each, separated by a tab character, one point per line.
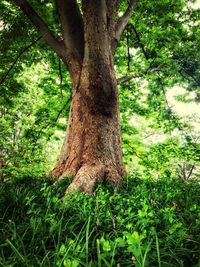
143	223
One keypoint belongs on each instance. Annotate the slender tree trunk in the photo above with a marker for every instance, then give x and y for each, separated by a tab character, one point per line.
3	164
92	146
1	176
1	172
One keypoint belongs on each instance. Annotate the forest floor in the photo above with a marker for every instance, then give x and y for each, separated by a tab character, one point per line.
141	223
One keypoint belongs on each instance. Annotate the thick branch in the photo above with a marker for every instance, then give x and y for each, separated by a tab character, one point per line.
112	7
72	26
123	21
42	27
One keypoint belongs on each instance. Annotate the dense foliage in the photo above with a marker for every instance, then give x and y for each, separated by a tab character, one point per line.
142	223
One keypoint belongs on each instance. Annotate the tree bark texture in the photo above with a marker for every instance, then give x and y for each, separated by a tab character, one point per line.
92	146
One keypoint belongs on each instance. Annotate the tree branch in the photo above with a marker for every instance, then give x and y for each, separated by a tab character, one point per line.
17	58
72	26
141	45
60	74
54	43
128	53
131	77
61	110
123	21
149	135
190	172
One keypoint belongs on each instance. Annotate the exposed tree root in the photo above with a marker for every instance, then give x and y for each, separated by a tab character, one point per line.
55	174
86	178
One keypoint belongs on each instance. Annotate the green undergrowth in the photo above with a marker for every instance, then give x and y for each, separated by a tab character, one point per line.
141	223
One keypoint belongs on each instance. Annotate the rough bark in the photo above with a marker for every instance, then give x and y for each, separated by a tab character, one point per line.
92	146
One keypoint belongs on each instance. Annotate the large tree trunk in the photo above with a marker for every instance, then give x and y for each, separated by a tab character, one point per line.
90	34
92	146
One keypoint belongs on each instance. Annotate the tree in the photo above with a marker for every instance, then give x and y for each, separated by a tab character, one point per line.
92	146
91	31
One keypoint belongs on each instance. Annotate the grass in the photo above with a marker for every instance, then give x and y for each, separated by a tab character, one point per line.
143	223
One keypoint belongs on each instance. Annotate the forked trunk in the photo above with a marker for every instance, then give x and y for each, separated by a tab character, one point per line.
92	146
